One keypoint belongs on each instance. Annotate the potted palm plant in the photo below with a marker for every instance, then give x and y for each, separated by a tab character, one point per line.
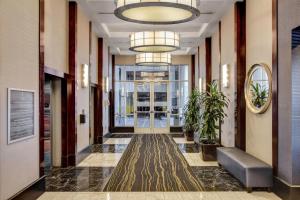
191	112
212	115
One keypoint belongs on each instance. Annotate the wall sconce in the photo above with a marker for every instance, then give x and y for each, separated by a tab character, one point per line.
106	84
84	76
225	76
200	84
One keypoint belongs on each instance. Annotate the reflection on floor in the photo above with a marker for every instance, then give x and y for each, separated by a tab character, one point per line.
83	179
89	178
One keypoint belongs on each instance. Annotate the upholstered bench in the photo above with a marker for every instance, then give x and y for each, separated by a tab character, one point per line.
252	172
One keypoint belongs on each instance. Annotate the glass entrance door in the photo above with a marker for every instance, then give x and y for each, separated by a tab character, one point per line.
151	107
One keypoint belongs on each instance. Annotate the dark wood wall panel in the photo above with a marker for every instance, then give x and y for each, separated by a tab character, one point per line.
240	48
112	96
69	131
41	83
275	86
98	134
208	61
193	71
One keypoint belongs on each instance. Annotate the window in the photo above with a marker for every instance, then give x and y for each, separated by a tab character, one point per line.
125	78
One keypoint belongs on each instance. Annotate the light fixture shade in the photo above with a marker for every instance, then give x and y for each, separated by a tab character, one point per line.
157	11
154	41
153	59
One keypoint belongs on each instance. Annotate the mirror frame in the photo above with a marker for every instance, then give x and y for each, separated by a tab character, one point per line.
249	104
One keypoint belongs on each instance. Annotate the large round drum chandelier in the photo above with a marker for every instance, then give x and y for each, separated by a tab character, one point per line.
152	59
157	11
154	41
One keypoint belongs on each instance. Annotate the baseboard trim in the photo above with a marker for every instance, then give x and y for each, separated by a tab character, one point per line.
285	191
31	192
82	154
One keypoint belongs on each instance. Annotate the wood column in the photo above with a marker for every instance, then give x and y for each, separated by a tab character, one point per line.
193	72
98	137
240	49
275	86
112	96
69	129
208	61
41	84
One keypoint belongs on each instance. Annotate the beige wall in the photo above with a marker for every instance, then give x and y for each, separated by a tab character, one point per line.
94	58
228	56
202	66
259	50
82	93
19	65
106	73
56	34
215	56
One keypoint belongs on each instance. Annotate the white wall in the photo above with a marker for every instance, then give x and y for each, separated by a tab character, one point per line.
106	73
82	96
19	65
56	34
259	50
228	56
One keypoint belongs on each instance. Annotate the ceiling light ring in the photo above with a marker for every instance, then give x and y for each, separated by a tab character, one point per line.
194	11
174	48
153	59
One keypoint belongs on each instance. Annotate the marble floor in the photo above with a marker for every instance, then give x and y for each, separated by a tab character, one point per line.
89	179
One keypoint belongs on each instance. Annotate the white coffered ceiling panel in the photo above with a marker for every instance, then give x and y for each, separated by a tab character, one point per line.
116	31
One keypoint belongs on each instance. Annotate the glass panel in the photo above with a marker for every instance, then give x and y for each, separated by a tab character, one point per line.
143	97
143	120
174	97
160	120
152	73
124	106
124	73
179	73
176	120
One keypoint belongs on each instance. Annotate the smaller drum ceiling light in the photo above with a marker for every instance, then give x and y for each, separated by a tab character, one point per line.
157	11
153	59
154	41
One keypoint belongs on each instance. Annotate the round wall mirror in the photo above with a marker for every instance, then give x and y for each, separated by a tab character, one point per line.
258	88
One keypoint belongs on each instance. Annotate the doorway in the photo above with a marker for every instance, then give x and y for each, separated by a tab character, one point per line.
52	123
151	107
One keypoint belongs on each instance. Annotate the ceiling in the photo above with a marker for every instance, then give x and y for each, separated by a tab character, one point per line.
116	31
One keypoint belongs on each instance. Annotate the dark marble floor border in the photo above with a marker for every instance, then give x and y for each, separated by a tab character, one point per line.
32	192
284	191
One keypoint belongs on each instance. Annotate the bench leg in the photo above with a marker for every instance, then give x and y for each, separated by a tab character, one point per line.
249	189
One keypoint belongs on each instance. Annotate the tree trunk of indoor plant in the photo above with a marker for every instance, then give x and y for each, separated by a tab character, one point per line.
189	135
209	151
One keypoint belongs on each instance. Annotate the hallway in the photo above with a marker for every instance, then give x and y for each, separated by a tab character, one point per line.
137	166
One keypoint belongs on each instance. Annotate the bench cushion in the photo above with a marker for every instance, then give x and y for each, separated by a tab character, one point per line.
251	171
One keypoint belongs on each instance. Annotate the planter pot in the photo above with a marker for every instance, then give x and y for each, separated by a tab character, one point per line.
189	135
209	151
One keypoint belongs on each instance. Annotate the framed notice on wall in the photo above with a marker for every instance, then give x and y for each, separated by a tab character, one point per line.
20	115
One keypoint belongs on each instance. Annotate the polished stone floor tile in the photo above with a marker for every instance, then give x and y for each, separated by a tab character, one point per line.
217	179
182	141
158	196
78	179
118	141
121	135
195	159
189	148
107	148
101	160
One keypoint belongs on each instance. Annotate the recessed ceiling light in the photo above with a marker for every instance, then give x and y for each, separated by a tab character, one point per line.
154	41
157	11
153	59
